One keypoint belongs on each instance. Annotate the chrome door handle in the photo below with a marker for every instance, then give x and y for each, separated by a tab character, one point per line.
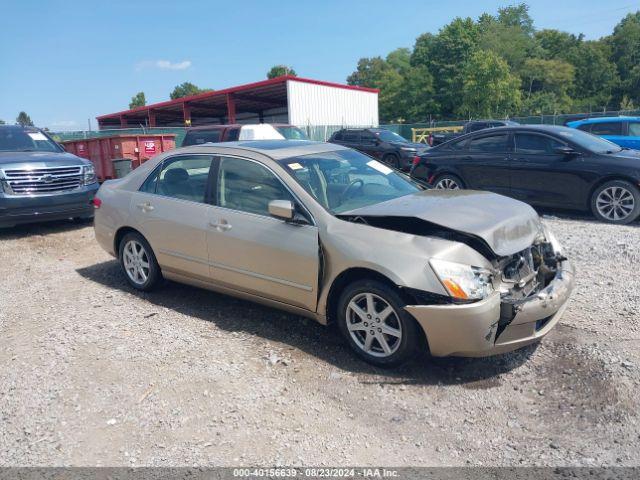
221	225
145	207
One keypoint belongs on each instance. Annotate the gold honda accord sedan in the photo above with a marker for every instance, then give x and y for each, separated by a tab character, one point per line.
332	234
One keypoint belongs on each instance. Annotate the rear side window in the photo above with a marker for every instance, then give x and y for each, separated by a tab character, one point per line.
185	177
607	128
233	134
149	185
585	127
337	136
199	137
535	144
489	144
474	127
351	136
368	138
634	129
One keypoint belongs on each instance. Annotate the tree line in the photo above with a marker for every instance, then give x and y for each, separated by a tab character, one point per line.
500	66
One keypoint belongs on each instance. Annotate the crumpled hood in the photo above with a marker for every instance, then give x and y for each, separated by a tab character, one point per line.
508	226
38	159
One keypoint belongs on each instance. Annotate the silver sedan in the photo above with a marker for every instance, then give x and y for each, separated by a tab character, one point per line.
332	234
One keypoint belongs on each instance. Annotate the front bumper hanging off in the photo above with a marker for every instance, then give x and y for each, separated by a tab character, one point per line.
471	330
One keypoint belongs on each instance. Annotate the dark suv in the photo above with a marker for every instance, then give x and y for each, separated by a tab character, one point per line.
379	143
40	181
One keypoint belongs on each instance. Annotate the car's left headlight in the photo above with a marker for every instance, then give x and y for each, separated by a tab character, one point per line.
464	282
89	174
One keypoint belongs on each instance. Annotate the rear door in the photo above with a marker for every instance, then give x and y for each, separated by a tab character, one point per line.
172	214
485	162
250	250
542	177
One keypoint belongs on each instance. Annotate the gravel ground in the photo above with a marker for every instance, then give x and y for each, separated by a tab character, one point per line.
93	373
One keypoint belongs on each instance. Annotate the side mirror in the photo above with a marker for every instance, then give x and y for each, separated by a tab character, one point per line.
566	151
282	209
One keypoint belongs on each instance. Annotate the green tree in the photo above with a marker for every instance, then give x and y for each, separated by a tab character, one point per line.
596	78
488	89
376	72
187	89
556	44
138	100
625	44
445	56
280	70
516	16
2	122
24	120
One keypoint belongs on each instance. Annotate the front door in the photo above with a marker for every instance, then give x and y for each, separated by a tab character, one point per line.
250	250
541	176
173	215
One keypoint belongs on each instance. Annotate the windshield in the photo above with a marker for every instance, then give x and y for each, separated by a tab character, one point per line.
389	136
345	179
588	141
19	140
292	133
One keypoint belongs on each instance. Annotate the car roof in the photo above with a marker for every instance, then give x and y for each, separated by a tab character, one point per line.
275	149
233	125
585	121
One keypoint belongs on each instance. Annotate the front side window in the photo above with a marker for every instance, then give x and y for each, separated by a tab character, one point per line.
248	186
607	128
489	144
535	144
185	177
344	180
587	141
15	139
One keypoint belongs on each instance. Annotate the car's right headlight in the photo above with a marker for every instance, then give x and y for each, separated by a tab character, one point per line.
464	282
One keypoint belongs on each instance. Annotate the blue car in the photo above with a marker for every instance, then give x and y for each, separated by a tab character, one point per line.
40	181
625	131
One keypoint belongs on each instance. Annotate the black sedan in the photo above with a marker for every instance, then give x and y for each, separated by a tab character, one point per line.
545	166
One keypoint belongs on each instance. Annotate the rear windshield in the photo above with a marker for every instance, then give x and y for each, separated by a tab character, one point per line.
292	133
19	140
202	136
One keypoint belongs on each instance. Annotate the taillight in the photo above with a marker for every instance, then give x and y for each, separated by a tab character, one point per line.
96	202
416	161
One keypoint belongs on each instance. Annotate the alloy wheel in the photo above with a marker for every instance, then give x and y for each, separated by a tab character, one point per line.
373	325
447	184
615	203
136	262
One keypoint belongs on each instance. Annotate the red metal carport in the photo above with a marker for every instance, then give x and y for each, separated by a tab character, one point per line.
254	102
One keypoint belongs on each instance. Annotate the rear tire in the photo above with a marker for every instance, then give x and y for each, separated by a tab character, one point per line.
617	201
448	182
138	262
393	160
372	318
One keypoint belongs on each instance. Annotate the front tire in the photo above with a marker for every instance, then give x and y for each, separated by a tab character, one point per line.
617	201
372	318
138	262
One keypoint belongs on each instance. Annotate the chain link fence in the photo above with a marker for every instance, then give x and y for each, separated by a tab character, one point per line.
322	133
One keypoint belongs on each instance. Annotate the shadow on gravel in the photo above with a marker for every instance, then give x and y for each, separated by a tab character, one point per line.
45	228
235	315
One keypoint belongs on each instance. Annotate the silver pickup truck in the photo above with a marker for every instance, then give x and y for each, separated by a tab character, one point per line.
40	181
